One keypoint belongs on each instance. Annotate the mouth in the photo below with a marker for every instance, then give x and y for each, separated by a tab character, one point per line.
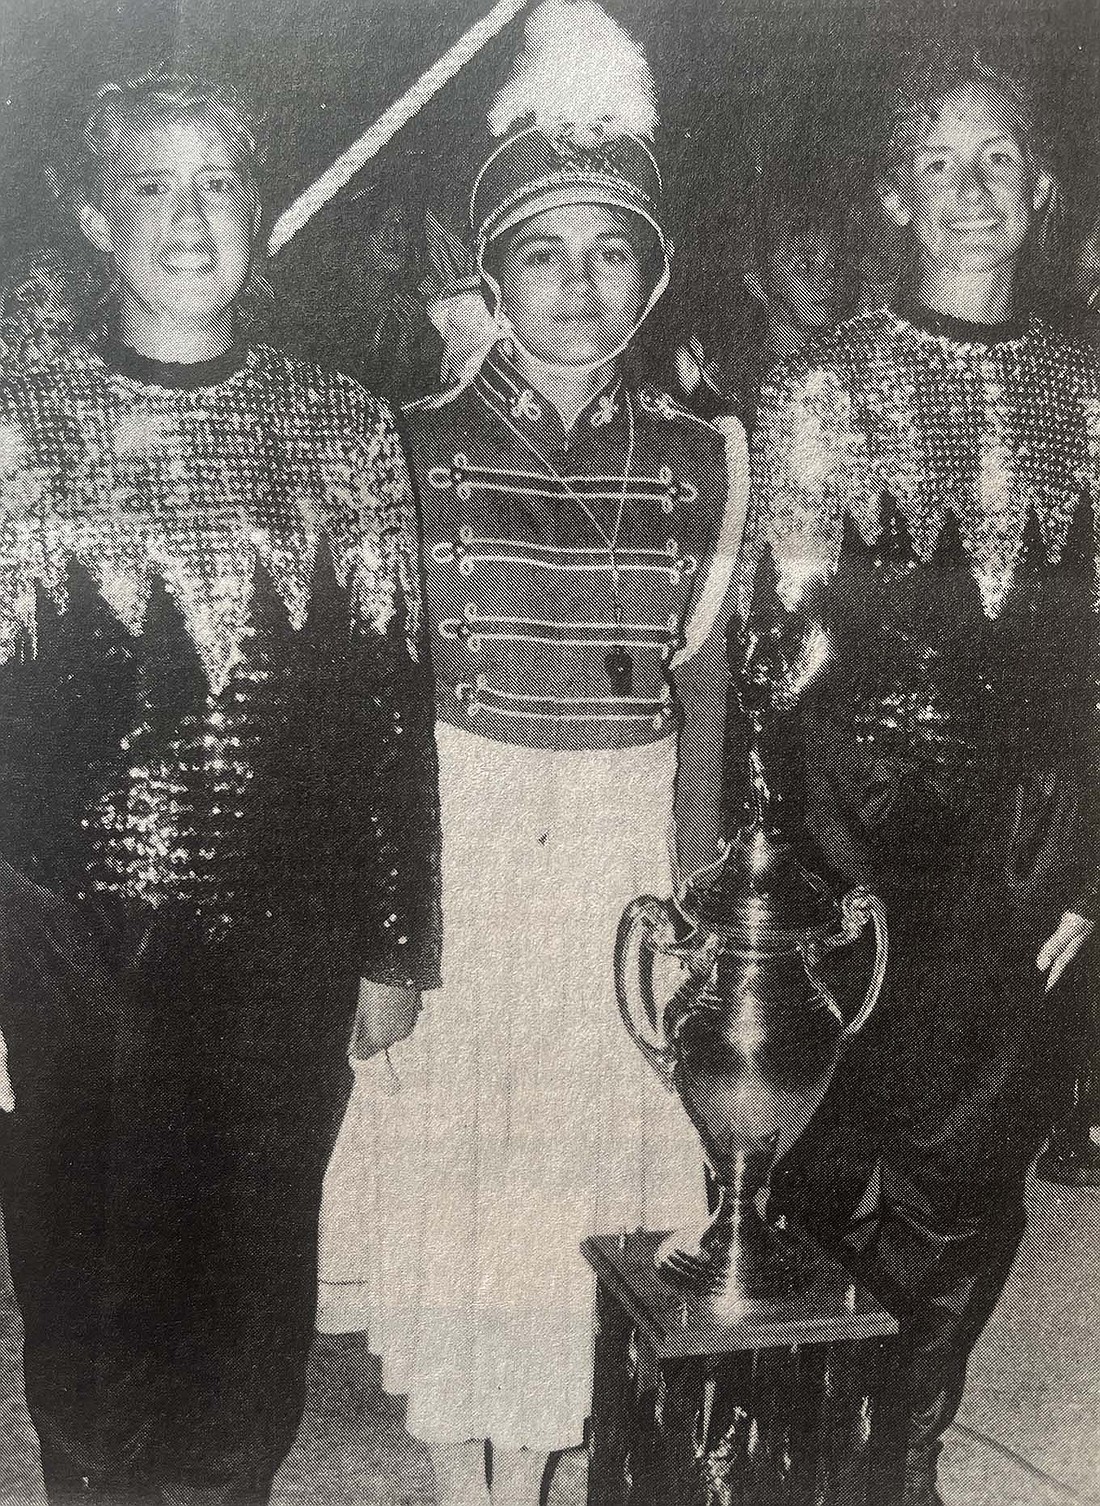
191	263
984	226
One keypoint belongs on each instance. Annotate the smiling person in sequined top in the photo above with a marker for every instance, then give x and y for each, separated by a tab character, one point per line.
176	212
926	481
218	813
969	190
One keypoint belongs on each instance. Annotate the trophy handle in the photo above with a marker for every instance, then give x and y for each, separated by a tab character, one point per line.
858	907
635	948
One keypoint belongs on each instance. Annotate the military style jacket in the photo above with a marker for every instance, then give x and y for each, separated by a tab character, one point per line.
562	570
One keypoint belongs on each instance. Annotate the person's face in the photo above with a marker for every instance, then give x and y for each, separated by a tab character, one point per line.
572	283
176	214
803	279
970	193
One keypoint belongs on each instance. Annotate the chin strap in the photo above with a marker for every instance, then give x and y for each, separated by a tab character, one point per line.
505	330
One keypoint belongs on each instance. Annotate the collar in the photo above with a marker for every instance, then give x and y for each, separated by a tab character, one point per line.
186	376
507	391
959	331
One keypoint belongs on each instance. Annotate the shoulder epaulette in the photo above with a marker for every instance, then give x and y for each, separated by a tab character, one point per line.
435	400
655	401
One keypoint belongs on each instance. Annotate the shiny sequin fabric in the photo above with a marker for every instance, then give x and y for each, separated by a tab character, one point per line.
209	624
986	434
928	490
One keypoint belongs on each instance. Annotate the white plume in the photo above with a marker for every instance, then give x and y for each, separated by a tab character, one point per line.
578	69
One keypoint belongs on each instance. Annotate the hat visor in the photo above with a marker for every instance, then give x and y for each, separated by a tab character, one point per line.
564	196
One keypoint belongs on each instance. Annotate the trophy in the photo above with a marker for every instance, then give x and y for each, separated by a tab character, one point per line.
751	1035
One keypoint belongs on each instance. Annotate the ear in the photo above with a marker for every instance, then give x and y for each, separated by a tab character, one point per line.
1044	193
95	227
895	208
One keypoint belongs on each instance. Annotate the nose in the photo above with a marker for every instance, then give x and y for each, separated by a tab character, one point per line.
190	209
972	189
578	284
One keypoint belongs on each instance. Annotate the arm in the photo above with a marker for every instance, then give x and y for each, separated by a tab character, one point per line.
49	958
799	480
1078	919
701	670
711	608
402	941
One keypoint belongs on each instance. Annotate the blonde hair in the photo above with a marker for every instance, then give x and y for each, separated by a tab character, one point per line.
929	76
156	99
153	99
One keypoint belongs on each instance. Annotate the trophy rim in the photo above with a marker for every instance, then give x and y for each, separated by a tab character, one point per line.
782	905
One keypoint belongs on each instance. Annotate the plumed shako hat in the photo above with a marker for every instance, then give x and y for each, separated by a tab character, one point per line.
575	123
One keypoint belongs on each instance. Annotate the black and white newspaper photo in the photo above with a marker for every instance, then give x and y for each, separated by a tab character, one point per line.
549	752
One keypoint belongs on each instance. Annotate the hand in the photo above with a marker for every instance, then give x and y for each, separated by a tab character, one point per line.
7	1097
856	909
45	927
1059	951
386	1015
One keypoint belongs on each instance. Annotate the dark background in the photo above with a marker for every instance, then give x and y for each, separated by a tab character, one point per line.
742	82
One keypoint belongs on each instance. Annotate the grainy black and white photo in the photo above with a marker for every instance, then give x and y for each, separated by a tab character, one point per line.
549	752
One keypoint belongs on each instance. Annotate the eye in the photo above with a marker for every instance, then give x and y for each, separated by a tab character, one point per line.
539	256
618	253
151	188
1003	156
934	167
223	184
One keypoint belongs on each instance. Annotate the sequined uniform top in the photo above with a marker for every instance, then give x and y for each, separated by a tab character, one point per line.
526	530
212	704
928	489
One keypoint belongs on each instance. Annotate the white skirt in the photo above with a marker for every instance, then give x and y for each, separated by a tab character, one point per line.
525	1120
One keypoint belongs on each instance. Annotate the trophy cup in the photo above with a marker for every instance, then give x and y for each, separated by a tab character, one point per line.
751	1035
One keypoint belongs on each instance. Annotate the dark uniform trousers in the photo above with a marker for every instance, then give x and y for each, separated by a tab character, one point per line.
914	1166
161	1180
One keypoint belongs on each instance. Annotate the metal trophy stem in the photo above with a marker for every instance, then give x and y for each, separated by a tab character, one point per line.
751	1036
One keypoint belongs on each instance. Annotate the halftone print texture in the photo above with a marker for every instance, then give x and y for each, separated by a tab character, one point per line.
231	583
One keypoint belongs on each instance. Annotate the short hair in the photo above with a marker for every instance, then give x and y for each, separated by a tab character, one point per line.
928	77
152	99
934	72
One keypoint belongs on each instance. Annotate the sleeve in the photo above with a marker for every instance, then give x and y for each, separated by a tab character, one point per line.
702	670
713	602
403	934
802	468
1085	898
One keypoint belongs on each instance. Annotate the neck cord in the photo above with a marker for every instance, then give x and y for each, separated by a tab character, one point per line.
611	540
